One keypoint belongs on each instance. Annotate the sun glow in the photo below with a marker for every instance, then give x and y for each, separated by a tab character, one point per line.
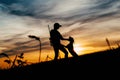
78	49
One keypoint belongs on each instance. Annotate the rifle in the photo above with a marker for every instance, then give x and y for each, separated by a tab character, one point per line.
50	35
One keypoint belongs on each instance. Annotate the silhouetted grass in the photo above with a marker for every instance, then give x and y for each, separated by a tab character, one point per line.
106	58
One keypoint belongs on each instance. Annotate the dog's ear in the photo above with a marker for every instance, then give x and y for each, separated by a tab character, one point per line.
70	37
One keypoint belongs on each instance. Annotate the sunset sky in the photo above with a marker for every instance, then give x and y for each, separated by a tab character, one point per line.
89	22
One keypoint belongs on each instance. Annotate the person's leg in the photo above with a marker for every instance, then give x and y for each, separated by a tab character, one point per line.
62	48
56	51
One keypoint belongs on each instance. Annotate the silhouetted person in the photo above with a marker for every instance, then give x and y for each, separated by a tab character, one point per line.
55	38
71	48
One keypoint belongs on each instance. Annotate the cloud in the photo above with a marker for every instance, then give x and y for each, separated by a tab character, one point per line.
4	8
67	9
26	46
86	20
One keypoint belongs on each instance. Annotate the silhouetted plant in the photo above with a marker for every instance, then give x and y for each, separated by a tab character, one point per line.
4	54
17	62
48	58
32	36
21	56
20	60
108	42
38	39
9	61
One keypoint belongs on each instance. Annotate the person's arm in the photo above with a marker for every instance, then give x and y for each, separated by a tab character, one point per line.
62	38
65	38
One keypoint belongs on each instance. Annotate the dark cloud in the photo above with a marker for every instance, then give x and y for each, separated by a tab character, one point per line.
20	47
39	10
22	43
100	9
105	4
8	2
13	37
27	46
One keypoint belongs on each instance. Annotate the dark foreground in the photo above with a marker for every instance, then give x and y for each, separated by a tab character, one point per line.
95	61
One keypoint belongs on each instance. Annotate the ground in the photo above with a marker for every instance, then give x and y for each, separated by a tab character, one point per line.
71	66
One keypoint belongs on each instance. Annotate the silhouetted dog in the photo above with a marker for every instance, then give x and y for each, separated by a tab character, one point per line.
71	48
